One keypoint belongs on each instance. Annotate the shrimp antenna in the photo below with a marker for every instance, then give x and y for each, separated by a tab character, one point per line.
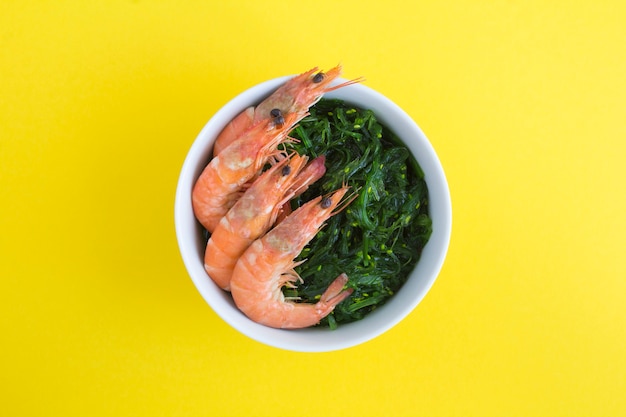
344	84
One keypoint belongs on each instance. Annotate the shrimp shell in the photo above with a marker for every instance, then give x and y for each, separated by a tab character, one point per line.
296	95
255	212
268	264
222	181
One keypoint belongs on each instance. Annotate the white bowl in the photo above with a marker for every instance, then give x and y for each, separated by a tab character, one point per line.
191	243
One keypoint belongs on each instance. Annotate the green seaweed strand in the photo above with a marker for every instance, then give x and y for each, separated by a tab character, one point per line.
379	237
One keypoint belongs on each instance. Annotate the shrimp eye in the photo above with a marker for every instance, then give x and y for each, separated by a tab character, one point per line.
277	117
279	121
326	202
318	77
286	170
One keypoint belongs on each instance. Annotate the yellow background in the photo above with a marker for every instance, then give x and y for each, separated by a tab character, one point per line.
524	102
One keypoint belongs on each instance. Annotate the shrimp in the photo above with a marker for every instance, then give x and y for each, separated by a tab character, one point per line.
311	173
255	212
295	96
221	183
268	264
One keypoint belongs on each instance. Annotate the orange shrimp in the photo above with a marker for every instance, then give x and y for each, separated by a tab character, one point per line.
295	96
268	264
255	212
311	173
221	183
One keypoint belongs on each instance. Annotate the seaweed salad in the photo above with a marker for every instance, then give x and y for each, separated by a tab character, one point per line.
379	237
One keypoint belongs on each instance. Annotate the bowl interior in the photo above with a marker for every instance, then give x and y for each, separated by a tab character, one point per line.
191	242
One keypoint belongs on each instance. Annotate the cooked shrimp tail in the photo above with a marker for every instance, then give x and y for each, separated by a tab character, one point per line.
334	294
311	173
